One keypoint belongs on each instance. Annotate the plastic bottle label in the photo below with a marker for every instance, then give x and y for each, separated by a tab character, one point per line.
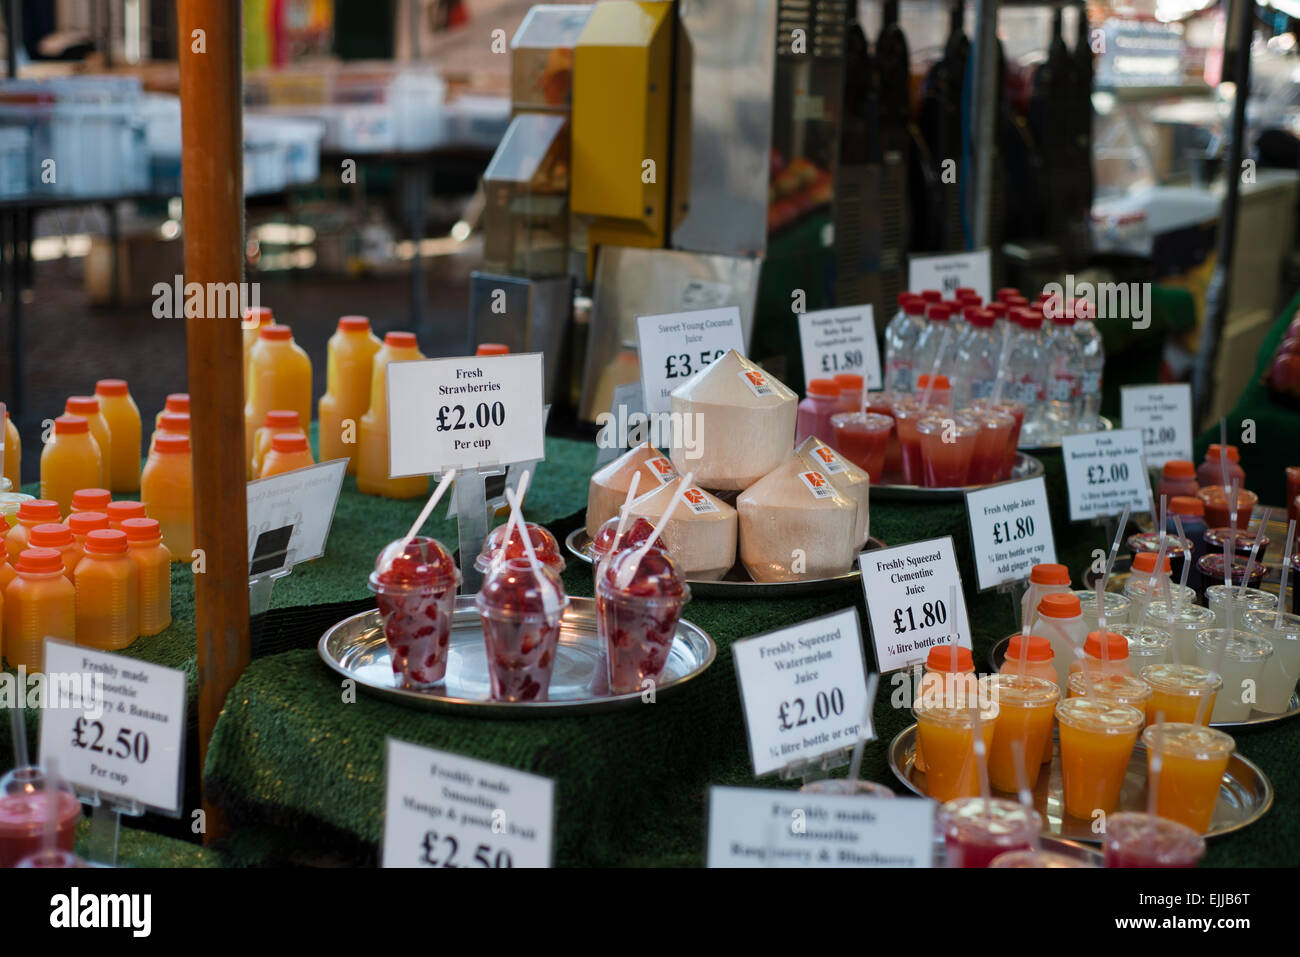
697	501
1061	388
1026	393
1091	382
981	388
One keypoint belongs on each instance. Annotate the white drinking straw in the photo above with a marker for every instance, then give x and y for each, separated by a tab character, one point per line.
18	725
1254	550
1022	784
550	597
622	512
1114	545
428	508
1002	362
934	368
1286	569
867	733
1187	562
1154	579
626	572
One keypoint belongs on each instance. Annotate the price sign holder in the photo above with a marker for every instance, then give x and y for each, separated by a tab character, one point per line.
469	494
106	826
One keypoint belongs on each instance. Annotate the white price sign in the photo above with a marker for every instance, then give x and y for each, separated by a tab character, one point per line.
1104	471
1010	530
840	340
910	592
444	810
116	725
1163	414
803	690
301	501
753	827
950	273
674	346
464	413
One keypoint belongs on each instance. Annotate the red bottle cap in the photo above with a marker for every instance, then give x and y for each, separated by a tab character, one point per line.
962	292
905	297
1007	292
275	333
106	541
981	319
1186	505
39	560
1040	649
50	535
174	422
83	523
1058	605
110	387
827	388
81	405
931	295
1145	562
91	499
998	309
1049	574
38	510
119	512
261	313
915	306
141	529
937	312
400	340
70	425
354	324
289	442
286	419
171	442
940	659
1116	646
492	349
1179	469
178	402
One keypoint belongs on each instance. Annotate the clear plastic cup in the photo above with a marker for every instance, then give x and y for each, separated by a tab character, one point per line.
1116	608
947	446
57	857
1120	689
1097	739
637	622
1177	692
1241	544
1135	839
1135	590
989	460
862	438
1017	411
25	799
1188	622
1033	858
1217	510
1192	761
882	403
635	533
521	628
1025	708
976	830
1177	550
1282	670
415	588
1241	669
947	734
861	788
1218	600
908	412
545	547
1146	645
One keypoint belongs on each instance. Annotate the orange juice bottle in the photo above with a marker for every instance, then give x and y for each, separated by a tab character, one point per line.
124	432
108	593
167	491
69	461
352	351
39	603
153	561
254	320
119	512
87	406
178	422
178	402
1038	655
1108	659
58	537
277	420
82	524
13	454
90	500
279	377
372	436
289	451
36	511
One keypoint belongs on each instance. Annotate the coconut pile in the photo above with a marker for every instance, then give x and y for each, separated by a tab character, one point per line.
799	513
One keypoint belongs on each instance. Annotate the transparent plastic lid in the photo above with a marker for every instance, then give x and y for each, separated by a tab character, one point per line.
657	576
635	534
544	544
513	588
420	563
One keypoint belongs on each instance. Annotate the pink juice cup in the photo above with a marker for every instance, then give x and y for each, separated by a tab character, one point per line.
521	632
862	438
947	446
24	806
908	412
976	830
415	588
1134	839
989	460
637	623
882	403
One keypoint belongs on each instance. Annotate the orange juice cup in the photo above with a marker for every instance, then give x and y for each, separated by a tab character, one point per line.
1025	708
948	736
1218	511
861	437
1121	689
1193	759
1177	692
1097	739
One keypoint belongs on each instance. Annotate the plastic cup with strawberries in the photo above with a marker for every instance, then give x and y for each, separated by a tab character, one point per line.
545	546
415	586
635	534
637	620
521	609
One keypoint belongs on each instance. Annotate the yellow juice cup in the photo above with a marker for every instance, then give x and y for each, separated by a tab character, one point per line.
1097	739
1025	708
1177	691
947	733
1193	759
1121	689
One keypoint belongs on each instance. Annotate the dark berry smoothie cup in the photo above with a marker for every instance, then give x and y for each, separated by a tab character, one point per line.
521	628
415	587
637	623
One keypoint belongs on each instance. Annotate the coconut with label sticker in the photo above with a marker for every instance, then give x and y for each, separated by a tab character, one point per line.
608	488
701	535
795	525
849	480
746	423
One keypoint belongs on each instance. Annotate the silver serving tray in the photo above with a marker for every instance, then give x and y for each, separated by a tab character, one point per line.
355	648
1104	425
1026	466
998	654
737	583
1245	794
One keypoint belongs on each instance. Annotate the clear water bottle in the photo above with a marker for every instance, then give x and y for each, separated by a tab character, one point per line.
1026	373
900	343
938	331
1092	362
1064	386
976	367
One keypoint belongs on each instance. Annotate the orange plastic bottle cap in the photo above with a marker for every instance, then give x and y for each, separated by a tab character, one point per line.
849	381
492	349
50	535
1116	646
110	387
38	510
354	323
1049	574
1060	606
171	442
289	442
39	560
178	402
91	499
70	425
281	419
82	523
1213	454
276	333
81	405
106	541
1186	505
261	313
1040	649
141	529
174	422
940	382
824	387
400	340
120	511
1145	562
1179	469
940	659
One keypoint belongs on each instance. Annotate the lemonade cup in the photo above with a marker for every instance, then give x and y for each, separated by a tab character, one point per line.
1193	759
1240	665
1116	607
1134	839
1188	621
947	733
1177	692
1025	708
1282	671
1219	598
1146	645
1097	739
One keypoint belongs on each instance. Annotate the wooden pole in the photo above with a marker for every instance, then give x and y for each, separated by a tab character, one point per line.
212	157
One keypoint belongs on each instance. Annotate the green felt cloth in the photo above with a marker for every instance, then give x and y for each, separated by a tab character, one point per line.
138	848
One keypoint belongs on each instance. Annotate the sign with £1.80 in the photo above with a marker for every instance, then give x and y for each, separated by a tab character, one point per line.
835	341
1010	530
914	601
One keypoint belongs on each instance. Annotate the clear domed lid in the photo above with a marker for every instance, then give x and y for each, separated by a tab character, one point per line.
657	575
635	534
544	544
420	563
513	587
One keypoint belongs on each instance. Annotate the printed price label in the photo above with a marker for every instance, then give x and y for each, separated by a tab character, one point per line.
950	273
1010	530
909	592
115	725
303	501
444	810
1163	414
803	690
464	413
754	827
674	346
1104	471
840	340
